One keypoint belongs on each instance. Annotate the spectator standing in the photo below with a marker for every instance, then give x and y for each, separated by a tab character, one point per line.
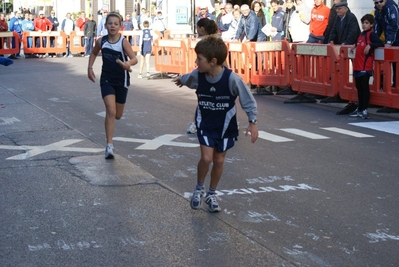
133	17
146	42
257	8
226	21
331	20
102	30
277	20
386	21
363	64
16	26
249	28
216	85
42	24
67	26
346	28
80	23
203	13
299	23
55	23
89	30
289	11
145	17
217	13
27	26
318	22
3	27
159	23
127	24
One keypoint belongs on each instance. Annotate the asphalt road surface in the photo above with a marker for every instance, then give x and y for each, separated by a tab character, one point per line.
316	189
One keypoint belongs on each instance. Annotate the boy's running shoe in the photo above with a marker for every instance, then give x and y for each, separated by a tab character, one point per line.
213	205
365	114
196	199
109	152
139	76
355	113
148	75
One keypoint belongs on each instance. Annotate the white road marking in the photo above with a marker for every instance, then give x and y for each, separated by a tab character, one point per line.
386	126
346	132
272	137
164	140
32	151
101	114
304	133
8	121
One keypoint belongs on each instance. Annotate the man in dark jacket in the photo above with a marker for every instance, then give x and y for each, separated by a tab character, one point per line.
290	9
387	21
56	23
331	20
346	28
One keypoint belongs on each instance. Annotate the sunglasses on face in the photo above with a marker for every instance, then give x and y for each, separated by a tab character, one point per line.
378	2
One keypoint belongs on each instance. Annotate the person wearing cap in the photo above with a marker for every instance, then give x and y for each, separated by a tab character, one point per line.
159	23
16	26
42	24
318	22
346	29
101	30
203	13
331	20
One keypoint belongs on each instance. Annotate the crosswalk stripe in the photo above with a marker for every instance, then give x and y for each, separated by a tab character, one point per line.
273	137
346	132
304	133
385	126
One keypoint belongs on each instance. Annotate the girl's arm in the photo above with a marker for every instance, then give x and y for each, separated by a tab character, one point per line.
129	52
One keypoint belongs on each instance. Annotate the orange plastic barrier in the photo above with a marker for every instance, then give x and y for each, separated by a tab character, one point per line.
315	69
239	60
270	63
174	57
76	42
386	96
60	42
6	41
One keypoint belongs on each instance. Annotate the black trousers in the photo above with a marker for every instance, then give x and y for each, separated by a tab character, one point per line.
363	91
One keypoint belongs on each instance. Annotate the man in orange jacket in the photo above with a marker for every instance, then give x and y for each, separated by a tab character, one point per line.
318	22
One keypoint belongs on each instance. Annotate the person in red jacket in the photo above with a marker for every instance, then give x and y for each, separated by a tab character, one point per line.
42	24
80	23
318	22
3	27
363	64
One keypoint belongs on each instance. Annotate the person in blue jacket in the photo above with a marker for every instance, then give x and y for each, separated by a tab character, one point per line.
277	20
249	28
387	21
16	26
28	26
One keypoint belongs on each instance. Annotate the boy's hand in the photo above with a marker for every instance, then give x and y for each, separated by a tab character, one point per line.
177	81
253	130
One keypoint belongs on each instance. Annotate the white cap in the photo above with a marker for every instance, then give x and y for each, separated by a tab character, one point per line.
41	12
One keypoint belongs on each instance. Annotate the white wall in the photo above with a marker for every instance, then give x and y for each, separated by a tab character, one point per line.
360	8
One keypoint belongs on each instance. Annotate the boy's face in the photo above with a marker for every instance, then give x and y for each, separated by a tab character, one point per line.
366	25
203	64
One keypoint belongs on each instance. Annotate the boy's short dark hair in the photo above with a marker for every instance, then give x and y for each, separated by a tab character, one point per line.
146	23
212	46
368	17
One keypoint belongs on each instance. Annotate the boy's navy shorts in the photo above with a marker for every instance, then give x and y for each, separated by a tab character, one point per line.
120	92
221	145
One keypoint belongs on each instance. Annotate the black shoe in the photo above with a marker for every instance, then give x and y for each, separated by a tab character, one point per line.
12	57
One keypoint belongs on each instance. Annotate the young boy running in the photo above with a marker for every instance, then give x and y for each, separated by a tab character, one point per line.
363	64
147	38
217	89
114	80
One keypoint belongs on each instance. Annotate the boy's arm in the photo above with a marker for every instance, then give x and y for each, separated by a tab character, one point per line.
247	101
190	80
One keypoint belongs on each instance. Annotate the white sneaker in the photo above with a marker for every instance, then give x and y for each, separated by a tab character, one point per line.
192	129
109	152
139	76
148	75
212	201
